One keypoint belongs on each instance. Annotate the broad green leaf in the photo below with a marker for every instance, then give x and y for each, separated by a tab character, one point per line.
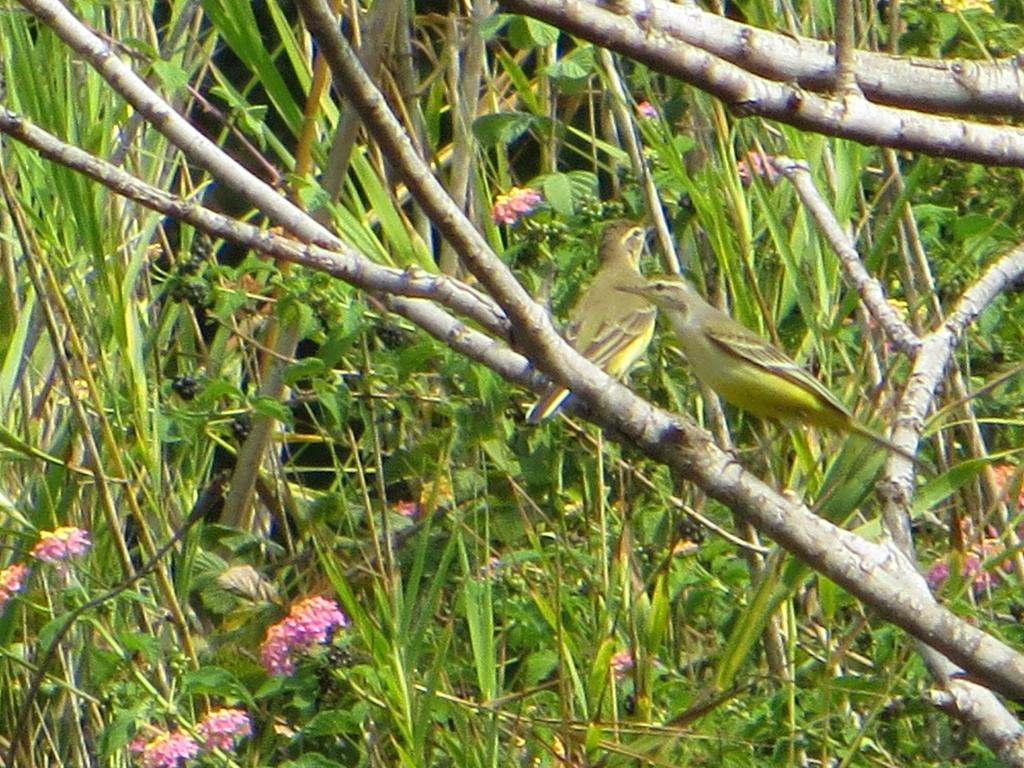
527	32
502	128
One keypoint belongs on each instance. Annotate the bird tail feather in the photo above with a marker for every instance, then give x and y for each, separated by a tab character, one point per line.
548	405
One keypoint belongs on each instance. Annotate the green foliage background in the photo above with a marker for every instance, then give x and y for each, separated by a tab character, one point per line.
483	631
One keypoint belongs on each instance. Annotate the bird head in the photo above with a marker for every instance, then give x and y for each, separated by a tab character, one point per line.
622	238
667	291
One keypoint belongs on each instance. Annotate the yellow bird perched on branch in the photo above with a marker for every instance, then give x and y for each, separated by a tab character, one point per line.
607	327
744	369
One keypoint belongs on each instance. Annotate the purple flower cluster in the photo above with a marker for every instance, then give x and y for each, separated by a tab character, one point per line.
517	201
308	623
12	579
756	164
220	728
60	544
622	662
170	749
646	109
984	560
54	546
165	750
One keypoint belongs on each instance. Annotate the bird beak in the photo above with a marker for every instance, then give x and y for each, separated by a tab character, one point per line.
639	290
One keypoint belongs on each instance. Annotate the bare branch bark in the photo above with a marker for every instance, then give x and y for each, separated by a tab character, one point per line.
747	94
379	34
844	50
534	329
869	289
929	85
980	710
343	262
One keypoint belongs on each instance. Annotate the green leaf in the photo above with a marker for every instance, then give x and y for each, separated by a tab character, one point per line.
120	730
525	32
501	128
480	620
313	760
331	723
539	665
172	77
599	669
216	389
577	65
49	630
417	358
335	401
269	406
382	202
683	144
308	367
829	596
340	338
936	490
103	664
557	189
236	22
971	225
493	25
219	681
139	643
746	631
521	82
659	617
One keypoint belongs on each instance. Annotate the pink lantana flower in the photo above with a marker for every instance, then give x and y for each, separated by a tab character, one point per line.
167	750
646	109
221	727
61	544
1004	476
12	579
622	662
756	164
981	580
971	567
308	623
410	509
937	573
517	201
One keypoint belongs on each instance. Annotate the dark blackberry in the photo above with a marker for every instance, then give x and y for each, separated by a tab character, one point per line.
391	336
202	246
199	254
687	529
186	386
193	292
241	426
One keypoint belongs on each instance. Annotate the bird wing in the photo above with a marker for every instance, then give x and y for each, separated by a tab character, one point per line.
753	349
611	337
625	335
